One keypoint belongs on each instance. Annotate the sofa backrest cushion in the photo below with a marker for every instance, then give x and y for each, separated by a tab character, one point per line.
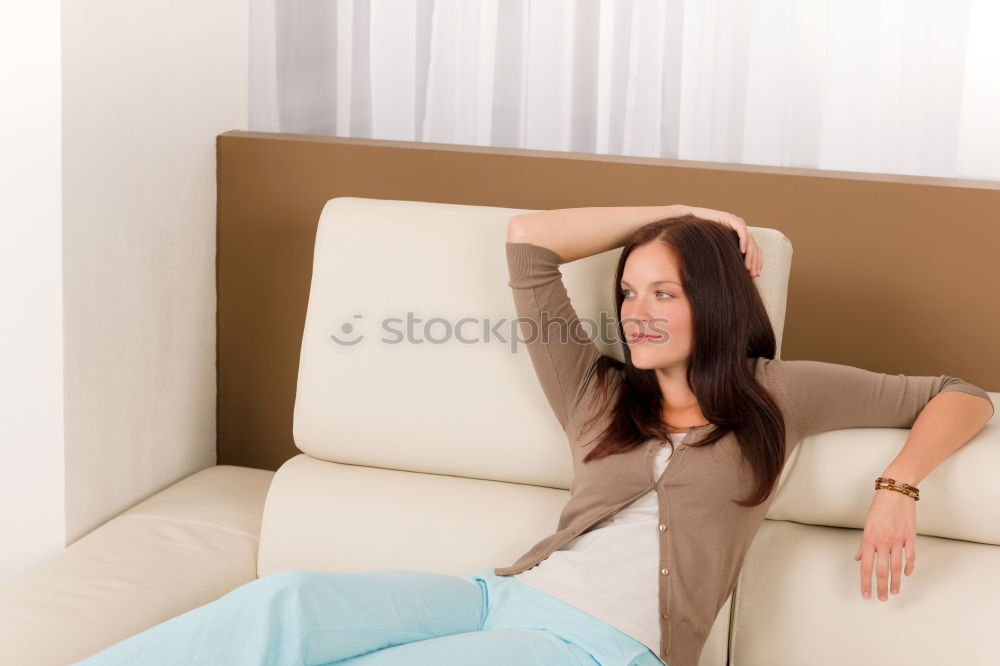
408	360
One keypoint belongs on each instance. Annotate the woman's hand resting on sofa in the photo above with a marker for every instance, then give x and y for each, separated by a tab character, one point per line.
890	527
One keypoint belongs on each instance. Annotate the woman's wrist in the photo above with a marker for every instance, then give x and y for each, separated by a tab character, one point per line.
901	474
894	485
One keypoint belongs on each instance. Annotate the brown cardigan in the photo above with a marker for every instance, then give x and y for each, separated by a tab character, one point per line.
703	536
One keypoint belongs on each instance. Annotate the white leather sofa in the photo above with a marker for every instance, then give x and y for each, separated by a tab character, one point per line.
445	457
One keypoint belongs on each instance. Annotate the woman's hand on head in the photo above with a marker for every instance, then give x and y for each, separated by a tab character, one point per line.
753	258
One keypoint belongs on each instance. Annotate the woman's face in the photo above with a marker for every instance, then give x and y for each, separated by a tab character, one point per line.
655	303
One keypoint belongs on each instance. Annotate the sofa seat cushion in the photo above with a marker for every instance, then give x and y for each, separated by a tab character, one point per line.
179	549
798	601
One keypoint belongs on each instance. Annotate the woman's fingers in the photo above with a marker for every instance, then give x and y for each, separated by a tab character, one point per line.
911	553
736	224
751	252
754	258
882	571
748	246
875	556
866	555
887	559
896	566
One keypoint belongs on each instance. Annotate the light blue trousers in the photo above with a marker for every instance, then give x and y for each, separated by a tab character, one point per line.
376	618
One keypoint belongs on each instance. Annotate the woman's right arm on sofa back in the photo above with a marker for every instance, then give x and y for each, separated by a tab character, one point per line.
575	233
548	327
537	243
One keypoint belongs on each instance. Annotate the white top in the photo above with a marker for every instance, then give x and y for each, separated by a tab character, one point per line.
612	570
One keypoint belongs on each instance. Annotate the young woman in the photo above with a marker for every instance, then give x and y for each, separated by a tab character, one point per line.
645	552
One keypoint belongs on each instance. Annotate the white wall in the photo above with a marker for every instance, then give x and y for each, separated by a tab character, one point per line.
31	332
145	89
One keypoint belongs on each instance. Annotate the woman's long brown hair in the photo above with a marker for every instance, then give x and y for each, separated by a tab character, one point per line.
730	328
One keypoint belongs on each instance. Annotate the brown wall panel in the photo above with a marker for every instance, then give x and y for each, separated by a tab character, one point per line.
893	274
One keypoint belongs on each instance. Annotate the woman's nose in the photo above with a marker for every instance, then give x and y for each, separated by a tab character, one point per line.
639	315
641	311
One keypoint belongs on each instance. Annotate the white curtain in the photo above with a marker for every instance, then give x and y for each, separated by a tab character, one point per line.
887	86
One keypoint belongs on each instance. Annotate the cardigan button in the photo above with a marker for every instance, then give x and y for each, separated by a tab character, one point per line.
662	527
664	571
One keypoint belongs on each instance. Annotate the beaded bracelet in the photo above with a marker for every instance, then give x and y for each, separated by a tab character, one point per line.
892	484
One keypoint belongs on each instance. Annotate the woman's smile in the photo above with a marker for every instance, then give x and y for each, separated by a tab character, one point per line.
644	337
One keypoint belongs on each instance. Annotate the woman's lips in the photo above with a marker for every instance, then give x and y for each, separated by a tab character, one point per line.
644	338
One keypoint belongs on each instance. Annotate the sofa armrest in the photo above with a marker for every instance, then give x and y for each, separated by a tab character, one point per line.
829	480
177	550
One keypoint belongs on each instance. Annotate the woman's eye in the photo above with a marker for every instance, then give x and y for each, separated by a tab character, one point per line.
626	292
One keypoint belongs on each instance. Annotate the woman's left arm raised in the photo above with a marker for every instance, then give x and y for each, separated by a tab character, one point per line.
944	425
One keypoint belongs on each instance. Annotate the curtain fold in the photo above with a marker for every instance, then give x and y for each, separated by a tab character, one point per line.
885	86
